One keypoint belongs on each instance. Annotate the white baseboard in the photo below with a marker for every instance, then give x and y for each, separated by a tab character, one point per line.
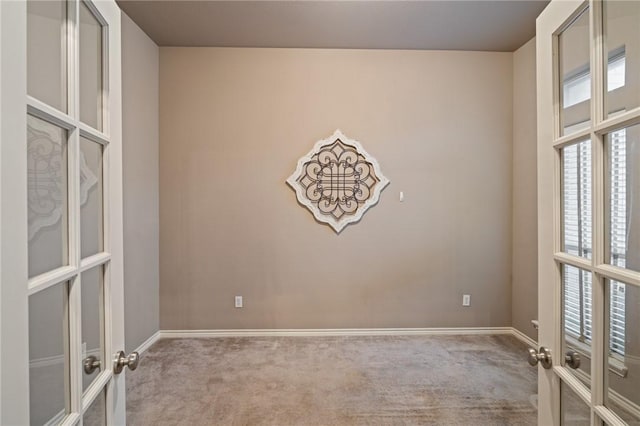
147	343
524	338
309	332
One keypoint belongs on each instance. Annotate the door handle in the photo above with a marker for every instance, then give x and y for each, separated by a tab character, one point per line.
90	364
121	360
572	359
542	356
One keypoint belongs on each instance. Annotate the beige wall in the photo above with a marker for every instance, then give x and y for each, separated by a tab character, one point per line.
233	123
140	173
524	304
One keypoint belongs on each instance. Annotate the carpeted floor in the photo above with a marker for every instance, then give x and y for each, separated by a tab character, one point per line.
406	380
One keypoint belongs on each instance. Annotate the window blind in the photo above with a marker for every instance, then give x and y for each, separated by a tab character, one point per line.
618	235
577	220
578	238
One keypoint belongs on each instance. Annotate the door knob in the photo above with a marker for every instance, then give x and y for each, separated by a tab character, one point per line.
572	359
543	356
121	360
90	364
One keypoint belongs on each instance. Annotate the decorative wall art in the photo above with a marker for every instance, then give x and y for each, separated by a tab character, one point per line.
338	181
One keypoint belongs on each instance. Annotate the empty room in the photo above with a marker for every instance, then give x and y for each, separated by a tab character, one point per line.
324	212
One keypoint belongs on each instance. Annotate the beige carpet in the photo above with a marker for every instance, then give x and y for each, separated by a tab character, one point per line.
440	380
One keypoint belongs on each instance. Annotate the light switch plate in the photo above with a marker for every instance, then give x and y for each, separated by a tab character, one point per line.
466	300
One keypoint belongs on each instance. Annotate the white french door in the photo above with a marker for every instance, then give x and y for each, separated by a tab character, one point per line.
588	90
61	263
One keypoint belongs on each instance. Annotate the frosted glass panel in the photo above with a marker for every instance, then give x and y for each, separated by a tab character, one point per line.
47	354
574	411
47	193
575	74
96	414
90	68
46	52
622	28
92	321
91	201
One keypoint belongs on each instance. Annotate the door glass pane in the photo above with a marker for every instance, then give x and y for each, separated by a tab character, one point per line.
47	196
574	411
90	68
47	355
623	190
46	52
91	202
575	74
624	343
622	27
96	414
92	323
577	318
576	199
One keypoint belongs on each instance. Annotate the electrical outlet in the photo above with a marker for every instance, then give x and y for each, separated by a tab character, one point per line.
466	300
238	301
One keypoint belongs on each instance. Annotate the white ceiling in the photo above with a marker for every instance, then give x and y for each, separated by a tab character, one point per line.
441	25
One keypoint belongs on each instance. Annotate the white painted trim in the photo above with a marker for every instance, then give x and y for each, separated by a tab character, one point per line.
147	343
554	18
93	261
310	332
96	387
524	338
1	83
57	419
14	368
571	379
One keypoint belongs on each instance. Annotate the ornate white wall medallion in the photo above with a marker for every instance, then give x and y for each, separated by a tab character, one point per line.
338	181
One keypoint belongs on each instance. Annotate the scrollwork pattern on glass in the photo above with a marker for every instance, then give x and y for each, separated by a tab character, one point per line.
47	176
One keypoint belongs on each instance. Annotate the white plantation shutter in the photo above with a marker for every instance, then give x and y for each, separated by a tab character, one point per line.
577	238
618	235
577	220
578	302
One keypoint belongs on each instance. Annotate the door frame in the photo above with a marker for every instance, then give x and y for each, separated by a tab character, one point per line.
549	298
14	291
555	18
14	332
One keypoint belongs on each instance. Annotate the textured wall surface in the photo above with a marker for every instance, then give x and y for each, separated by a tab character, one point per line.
233	123
140	139
525	205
